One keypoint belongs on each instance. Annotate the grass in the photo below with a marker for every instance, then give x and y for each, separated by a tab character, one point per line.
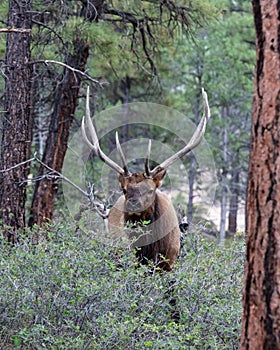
74	291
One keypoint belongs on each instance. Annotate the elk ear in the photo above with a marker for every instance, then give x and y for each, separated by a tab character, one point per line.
121	181
159	177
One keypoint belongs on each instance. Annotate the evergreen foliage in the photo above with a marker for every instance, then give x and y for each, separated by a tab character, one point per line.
74	291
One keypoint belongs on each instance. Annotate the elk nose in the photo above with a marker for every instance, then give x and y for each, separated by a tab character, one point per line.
133	203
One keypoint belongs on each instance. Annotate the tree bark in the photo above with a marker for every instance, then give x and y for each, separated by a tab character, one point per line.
224	180
56	145
17	121
233	200
261	301
125	98
192	170
191	178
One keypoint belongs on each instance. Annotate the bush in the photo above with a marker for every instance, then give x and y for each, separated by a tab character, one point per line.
73	291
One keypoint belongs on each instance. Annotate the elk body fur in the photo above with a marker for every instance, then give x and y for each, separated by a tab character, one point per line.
142	203
159	239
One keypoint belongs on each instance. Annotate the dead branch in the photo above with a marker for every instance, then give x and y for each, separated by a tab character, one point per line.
74	70
18	165
41	24
14	30
99	208
90	195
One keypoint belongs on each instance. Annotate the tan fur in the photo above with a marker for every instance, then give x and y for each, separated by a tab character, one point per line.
160	241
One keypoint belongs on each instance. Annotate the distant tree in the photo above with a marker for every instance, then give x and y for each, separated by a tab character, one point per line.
65	101
17	118
221	59
231	88
261	311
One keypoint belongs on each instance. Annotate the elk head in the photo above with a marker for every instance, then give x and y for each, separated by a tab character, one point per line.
140	189
139	192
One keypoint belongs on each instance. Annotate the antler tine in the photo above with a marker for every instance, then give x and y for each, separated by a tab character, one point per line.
94	143
194	141
147	166
119	148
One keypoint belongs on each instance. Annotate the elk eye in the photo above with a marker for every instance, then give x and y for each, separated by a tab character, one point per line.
151	192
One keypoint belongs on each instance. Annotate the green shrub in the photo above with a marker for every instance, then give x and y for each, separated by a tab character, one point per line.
73	291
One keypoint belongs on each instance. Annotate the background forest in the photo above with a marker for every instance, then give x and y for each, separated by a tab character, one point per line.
72	290
213	48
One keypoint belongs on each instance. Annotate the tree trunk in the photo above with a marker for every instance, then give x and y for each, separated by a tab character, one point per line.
224	181
261	311
126	87
223	217
191	178
192	171
17	121
233	200
56	144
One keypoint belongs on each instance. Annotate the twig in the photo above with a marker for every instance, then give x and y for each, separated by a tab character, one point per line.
50	29
14	30
62	177
18	165
89	194
54	174
74	70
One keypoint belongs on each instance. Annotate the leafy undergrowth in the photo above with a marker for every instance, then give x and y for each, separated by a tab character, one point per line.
73	291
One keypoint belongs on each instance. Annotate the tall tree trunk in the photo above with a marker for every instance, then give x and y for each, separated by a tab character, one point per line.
17	121
224	181
261	311
192	171
233	200
56	144
191	178
126	90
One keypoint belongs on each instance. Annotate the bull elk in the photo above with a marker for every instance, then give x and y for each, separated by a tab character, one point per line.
142	201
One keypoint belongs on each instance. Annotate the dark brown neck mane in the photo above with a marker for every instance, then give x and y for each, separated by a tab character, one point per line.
149	215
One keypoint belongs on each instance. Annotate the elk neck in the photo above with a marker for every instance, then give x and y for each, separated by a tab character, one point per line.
148	215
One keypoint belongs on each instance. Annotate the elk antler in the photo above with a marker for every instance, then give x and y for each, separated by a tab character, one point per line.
125	168
94	143
194	141
147	166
